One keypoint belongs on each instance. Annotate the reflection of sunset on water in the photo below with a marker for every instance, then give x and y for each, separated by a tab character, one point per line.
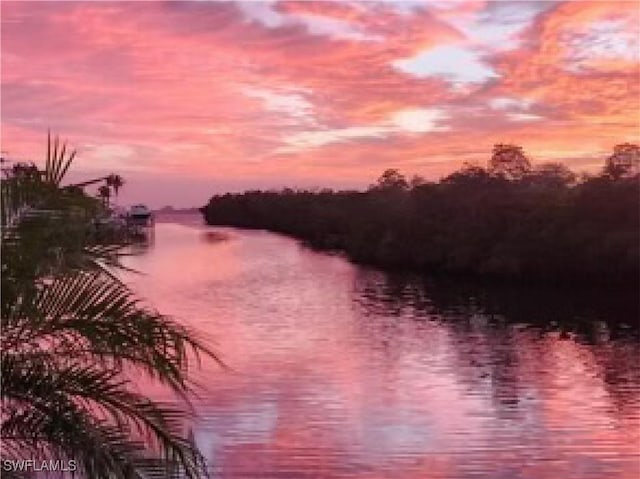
337	371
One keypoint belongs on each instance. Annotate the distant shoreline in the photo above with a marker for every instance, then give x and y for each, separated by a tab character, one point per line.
470	225
176	211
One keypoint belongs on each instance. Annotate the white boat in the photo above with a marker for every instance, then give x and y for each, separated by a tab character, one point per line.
140	216
140	212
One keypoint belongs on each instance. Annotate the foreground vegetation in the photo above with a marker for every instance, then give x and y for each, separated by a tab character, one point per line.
72	336
507	220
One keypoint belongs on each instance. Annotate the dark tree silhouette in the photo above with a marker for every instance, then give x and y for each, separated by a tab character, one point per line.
624	162
552	175
104	192
509	161
505	221
391	179
116	182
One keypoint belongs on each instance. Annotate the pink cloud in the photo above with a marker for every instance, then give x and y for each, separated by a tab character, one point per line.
213	90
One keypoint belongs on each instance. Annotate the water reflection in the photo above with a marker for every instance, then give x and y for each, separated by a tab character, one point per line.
345	372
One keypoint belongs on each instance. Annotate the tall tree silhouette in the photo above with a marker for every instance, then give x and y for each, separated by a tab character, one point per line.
509	161
624	162
391	179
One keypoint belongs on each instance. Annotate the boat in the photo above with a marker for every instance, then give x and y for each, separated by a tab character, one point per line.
139	218
140	214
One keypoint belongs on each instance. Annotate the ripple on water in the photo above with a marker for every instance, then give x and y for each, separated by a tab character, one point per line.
339	371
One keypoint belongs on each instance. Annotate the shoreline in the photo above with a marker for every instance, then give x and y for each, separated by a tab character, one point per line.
567	283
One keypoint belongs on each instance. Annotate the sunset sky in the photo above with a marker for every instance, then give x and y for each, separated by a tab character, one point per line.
185	99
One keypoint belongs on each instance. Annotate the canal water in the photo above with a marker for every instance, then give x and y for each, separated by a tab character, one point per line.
342	371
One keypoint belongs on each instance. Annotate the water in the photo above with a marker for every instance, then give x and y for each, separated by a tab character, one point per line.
340	371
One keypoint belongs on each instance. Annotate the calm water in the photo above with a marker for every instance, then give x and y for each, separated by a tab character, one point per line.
339	371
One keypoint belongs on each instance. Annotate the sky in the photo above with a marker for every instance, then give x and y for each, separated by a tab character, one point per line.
190	98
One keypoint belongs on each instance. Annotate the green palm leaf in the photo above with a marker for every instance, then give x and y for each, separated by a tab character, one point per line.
41	390
72	332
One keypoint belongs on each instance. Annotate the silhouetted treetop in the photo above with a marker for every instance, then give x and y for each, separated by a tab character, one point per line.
391	179
509	161
624	162
552	175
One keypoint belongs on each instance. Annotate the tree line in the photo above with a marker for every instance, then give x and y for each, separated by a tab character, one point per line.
510	220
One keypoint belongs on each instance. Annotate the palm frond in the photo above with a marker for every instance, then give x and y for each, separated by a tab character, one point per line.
98	399
57	161
72	331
